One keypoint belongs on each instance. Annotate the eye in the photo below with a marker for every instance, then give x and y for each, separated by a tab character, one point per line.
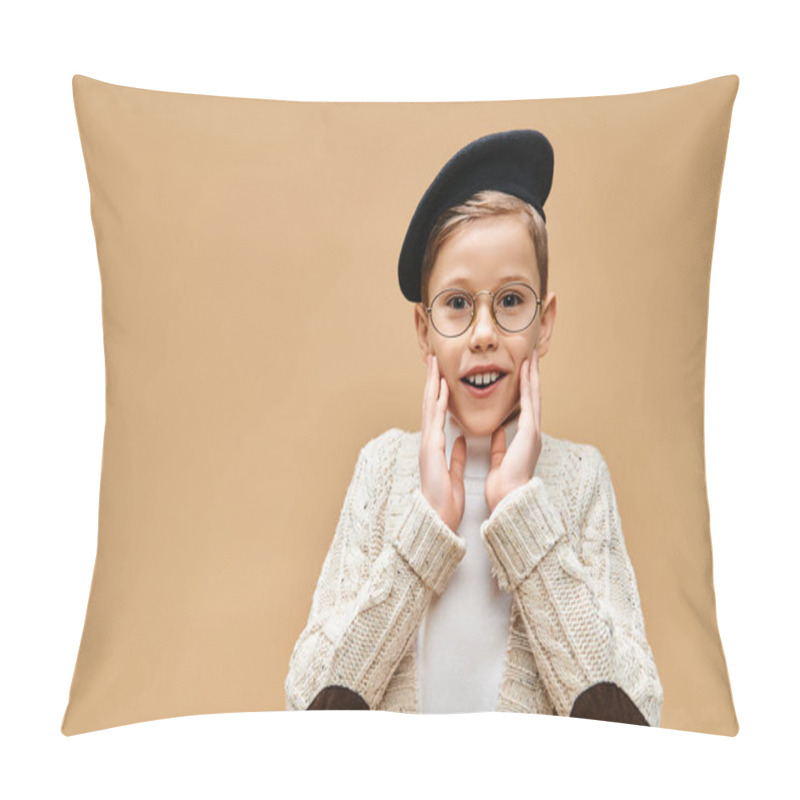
457	302
514	299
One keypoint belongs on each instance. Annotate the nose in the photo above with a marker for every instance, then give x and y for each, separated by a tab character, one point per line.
484	330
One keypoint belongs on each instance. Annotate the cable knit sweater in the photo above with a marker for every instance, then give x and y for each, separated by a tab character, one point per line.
555	544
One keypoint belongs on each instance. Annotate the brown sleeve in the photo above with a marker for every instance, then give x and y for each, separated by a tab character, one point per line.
338	698
606	701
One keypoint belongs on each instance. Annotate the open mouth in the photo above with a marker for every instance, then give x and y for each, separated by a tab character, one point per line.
485	388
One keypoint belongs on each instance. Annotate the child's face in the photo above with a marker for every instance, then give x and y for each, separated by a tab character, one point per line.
486	254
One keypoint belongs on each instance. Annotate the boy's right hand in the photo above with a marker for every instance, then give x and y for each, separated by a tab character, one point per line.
443	488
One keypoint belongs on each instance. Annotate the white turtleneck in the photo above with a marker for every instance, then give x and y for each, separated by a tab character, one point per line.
461	643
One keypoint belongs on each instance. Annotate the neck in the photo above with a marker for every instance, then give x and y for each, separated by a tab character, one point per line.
478	447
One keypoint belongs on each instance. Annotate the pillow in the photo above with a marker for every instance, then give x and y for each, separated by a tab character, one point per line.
256	339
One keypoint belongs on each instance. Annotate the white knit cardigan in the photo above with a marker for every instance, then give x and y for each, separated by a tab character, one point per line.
556	543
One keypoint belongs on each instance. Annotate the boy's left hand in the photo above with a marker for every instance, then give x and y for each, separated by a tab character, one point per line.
512	468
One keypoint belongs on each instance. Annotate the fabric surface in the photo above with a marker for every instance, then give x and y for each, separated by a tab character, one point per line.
255	339
555	543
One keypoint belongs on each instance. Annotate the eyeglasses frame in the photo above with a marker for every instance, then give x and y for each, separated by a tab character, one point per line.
491	307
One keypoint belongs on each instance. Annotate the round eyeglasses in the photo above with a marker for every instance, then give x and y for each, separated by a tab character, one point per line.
514	308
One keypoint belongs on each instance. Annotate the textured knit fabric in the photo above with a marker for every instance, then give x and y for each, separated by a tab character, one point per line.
555	544
461	645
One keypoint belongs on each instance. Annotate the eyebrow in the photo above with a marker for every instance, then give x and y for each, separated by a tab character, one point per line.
461	280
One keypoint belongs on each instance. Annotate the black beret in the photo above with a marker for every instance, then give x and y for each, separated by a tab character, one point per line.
518	162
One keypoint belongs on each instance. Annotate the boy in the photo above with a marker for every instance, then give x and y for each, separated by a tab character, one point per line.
501	581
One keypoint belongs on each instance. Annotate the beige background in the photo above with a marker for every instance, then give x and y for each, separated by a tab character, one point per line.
256	338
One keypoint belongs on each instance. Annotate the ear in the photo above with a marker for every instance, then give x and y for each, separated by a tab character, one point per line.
423	330
549	308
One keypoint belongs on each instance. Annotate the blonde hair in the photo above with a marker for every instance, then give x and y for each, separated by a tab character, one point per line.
487	203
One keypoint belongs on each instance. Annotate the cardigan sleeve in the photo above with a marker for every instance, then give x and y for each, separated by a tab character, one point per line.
366	610
579	602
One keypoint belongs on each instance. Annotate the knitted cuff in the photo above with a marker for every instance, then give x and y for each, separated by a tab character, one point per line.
522	528
431	549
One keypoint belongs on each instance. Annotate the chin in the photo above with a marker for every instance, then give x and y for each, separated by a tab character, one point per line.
483	424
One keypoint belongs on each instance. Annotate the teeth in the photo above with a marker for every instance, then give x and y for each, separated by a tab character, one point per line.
483	379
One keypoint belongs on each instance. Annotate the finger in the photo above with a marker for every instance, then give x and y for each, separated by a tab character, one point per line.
438	380
525	391
458	458
441	405
428	395
536	390
498	448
